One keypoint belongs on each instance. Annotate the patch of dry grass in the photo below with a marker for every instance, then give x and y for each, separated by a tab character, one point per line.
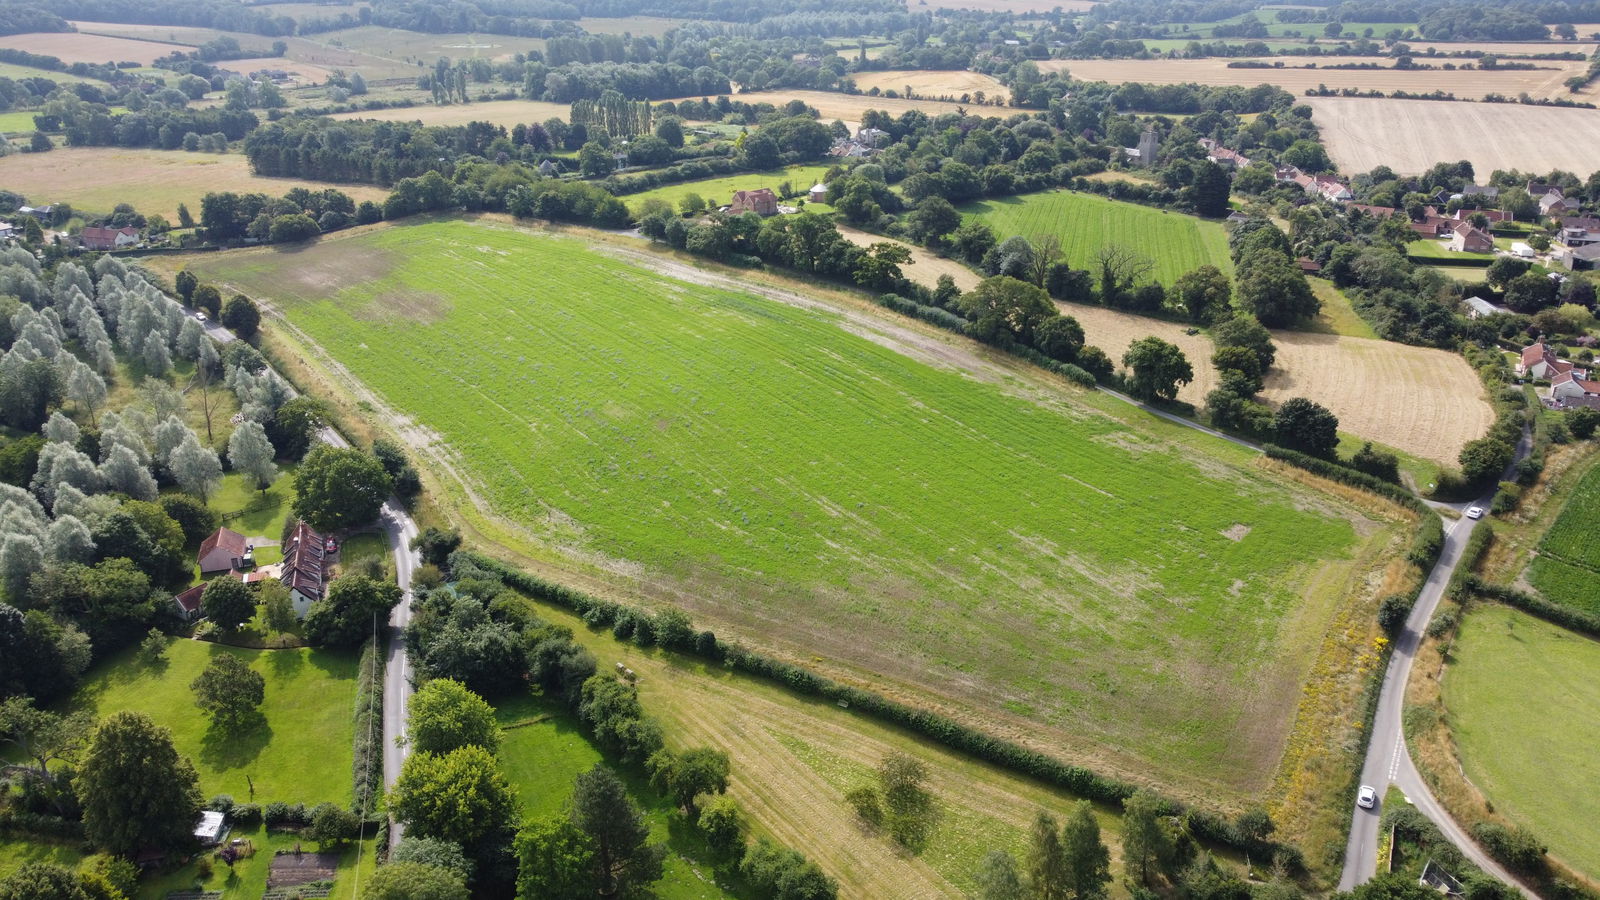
947	85
505	113
1409	136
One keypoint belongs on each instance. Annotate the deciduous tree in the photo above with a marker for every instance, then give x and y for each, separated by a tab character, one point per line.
230	692
136	790
337	488
1159	369
444	715
1309	427
227	602
555	861
459	796
415	881
251	453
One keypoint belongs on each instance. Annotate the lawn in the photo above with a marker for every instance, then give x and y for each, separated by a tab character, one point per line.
247	879
544	750
719	191
1567	568
16	123
1144	594
1425	250
309	698
1176	243
1524	705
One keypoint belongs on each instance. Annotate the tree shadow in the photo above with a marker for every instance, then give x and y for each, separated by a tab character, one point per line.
285	663
237	746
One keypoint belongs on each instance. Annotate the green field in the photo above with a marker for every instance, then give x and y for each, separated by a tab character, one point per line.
17	123
1567	569
972	535
1425	250
1087	222
1524	703
545	749
309	701
719	191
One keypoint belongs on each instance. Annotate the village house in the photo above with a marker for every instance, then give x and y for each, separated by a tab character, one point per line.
302	569
1222	156
872	137
1539	362
1477	308
1585	257
188	603
1466	239
1571	388
1433	225
1579	231
97	237
818	193
761	201
1479	192
1493	215
1537	189
1555	205
224	551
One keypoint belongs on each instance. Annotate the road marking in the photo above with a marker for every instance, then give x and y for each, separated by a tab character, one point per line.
1394	758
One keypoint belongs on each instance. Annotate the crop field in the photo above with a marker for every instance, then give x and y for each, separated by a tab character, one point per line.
638	26
1087	222
932	84
849	107
309	698
505	113
810	476
1016	6
1409	136
719	191
410	46
1567	569
88	48
154	181
1542	82
1524	707
310	51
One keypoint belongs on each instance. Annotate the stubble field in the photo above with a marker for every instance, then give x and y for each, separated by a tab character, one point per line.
876	499
849	107
96	179
1542	82
949	84
505	113
71	47
1409	136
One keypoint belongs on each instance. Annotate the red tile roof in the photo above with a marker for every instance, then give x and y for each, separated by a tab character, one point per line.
189	600
231	541
302	561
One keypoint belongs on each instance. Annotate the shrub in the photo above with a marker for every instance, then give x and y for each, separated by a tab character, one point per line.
1392	613
1516	847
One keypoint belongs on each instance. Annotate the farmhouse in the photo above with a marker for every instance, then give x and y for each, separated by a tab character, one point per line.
97	237
761	201
302	568
224	551
1539	361
818	193
1477	308
188	603
1466	239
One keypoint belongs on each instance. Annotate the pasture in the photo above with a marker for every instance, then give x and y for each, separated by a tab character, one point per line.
1524	707
308	708
96	179
1295	78
841	486
505	113
937	85
1086	223
1567	568
1409	136
15	72
719	191
72	47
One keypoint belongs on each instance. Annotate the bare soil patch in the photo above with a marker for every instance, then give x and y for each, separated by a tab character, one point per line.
1541	82
1411	135
949	85
289	869
926	266
72	47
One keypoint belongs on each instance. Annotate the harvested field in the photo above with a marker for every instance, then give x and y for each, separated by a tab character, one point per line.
1543	82
95	179
949	84
1502	49
849	107
506	113
407	46
638	26
307	72
1411	135
926	266
71	47
797	473
1016	6
304	50
1406	397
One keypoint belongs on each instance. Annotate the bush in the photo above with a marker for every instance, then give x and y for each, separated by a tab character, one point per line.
1506	498
1392	613
246	815
285	815
1517	848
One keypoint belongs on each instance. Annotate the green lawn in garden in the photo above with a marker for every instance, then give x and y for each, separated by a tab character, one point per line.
1524	703
719	191
247	879
1174	242
1425	250
1142	585
302	753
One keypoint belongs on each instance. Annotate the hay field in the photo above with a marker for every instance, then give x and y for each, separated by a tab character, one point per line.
849	107
806	476
1524	708
95	179
392	43
1016	6
951	84
506	113
1423	401
71	47
1474	84
1411	135
304	50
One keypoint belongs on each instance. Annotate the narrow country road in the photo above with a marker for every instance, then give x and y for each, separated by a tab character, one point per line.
399	530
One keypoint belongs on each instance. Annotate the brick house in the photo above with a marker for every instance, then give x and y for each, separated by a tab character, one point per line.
761	201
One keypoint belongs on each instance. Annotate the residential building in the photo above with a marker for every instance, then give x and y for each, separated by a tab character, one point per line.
1537	189
97	237
1578	231
1229	159
1555	205
1480	192
761	201
1567	387
42	213
7	231
224	551
1466	239
1377	212
302	572
1540	362
188	603
1585	257
1493	215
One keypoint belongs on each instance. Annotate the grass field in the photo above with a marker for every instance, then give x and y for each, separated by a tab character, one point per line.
1425	250
308	50
1524	705
1087	222
96	179
1567	568
949	85
505	113
18	123
719	191
789	479
14	72
309	698
411	46
1296	78
1411	135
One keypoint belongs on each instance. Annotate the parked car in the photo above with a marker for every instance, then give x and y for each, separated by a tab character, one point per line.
1366	798
1474	512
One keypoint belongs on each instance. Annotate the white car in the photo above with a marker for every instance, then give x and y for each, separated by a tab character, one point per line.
200	316
1474	512
1366	798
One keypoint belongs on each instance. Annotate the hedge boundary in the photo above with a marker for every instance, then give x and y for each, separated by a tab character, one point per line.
1538	607
366	768
1079	781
